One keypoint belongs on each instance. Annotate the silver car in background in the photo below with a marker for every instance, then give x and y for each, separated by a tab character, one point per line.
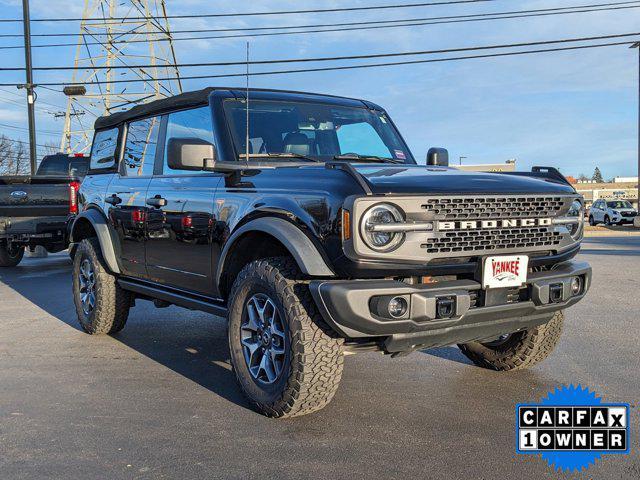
612	212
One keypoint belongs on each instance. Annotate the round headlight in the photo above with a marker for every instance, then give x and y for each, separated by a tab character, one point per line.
380	215
576	210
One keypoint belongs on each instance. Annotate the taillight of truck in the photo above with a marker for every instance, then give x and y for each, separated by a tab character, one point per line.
73	197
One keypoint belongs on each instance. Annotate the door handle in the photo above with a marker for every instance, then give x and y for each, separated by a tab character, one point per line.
113	200
156	201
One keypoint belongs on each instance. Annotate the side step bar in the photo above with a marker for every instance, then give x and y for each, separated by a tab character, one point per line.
174	297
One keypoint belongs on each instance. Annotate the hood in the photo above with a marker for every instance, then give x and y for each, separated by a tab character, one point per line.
416	179
623	210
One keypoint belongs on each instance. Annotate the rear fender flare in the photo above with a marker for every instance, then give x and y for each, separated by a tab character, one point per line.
100	225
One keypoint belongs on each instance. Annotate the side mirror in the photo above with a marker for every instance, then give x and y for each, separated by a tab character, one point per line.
190	154
438	156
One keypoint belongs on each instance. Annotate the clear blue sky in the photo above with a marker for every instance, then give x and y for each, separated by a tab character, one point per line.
574	110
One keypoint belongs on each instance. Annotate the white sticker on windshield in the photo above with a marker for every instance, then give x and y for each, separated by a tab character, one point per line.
400	154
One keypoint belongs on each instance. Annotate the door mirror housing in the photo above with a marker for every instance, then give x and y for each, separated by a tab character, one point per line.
438	157
190	154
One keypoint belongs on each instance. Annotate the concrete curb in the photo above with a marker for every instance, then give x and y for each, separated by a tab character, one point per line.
611	233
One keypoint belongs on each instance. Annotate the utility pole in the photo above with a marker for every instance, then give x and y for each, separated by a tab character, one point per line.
461	158
29	86
637	46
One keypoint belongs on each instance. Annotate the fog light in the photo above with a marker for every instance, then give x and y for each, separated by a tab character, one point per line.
445	307
398	307
576	286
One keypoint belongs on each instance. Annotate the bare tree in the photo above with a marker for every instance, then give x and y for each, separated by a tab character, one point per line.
50	148
14	158
5	153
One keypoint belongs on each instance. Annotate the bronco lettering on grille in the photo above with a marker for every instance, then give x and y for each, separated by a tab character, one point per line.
487	224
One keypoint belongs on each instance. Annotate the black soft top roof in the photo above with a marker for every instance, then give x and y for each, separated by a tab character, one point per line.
201	97
184	100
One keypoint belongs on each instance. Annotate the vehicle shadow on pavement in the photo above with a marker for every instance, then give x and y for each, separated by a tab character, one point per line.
452	353
192	344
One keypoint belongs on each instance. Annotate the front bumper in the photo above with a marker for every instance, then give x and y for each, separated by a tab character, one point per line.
622	219
346	307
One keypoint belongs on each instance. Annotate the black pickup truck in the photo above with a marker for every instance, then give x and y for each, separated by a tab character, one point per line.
36	210
314	231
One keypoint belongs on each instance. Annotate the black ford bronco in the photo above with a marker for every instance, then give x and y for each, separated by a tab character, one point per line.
306	222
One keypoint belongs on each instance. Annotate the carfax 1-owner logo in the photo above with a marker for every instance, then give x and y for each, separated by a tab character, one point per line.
572	428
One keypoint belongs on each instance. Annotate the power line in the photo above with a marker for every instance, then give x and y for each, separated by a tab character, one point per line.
24	129
634	4
27	143
371	65
260	14
505	16
352	57
21	97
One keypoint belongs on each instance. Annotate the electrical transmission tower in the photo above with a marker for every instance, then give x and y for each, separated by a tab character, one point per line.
115	35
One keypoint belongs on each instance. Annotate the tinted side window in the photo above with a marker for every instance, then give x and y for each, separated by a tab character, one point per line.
195	123
103	150
140	147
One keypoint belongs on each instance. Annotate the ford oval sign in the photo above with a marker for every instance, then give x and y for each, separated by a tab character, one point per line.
19	194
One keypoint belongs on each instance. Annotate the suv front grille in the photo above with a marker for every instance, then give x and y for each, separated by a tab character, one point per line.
487	208
464	228
512	238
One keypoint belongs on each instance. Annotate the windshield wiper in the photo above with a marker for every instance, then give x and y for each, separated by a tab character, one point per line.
296	156
370	158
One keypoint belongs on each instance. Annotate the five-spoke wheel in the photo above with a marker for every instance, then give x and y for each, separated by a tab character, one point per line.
286	359
263	338
87	279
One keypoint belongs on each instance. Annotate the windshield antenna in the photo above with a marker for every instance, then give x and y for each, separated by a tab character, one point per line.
246	157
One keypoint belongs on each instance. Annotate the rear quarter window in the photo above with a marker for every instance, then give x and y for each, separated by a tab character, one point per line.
103	151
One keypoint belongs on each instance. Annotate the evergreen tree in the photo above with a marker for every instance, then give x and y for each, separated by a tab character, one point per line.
597	176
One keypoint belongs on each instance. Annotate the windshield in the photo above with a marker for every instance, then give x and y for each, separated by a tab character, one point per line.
619	204
314	130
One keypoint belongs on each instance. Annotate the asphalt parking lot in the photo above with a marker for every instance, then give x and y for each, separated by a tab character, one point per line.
159	399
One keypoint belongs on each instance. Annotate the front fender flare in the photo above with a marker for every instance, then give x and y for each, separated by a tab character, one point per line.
302	249
101	227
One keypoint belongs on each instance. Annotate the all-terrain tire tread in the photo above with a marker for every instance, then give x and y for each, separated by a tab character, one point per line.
527	350
316	352
112	302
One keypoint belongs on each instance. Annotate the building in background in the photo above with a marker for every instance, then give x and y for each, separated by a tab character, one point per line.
508	166
625	180
616	190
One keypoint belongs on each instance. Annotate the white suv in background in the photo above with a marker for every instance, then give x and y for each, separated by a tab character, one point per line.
611	211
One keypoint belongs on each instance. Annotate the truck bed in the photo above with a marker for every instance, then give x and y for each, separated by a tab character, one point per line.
34	196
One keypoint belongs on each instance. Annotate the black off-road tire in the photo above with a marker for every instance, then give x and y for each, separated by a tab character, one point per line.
10	258
592	221
520	350
607	220
112	303
313	363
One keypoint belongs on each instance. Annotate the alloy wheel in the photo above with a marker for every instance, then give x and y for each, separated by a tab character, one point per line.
262	333
87	279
